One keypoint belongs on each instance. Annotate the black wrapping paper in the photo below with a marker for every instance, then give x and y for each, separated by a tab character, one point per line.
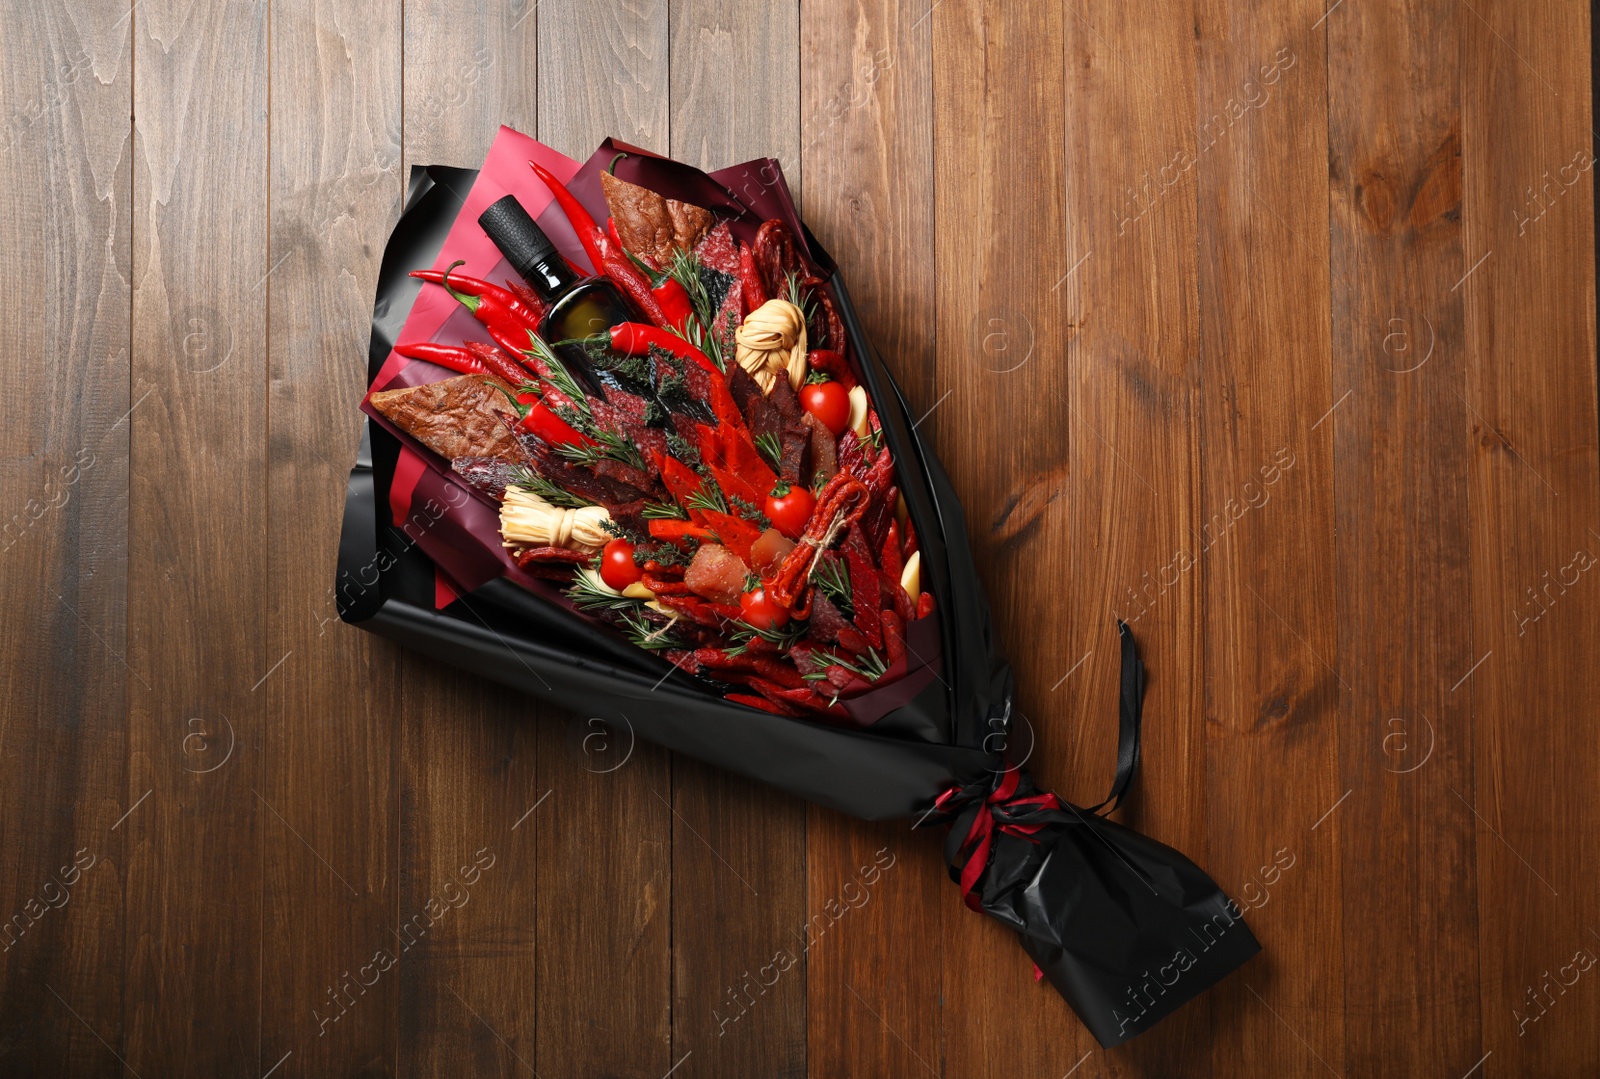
1125	928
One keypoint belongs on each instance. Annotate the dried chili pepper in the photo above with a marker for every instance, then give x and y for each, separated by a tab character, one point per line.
637	339
453	357
490	304
606	257
589	234
673	298
542	421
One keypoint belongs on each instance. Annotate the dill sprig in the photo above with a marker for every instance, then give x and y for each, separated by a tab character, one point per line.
750	512
683	450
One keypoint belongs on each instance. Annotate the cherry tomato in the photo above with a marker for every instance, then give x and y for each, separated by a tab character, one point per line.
761	612
617	567
828	402
789	509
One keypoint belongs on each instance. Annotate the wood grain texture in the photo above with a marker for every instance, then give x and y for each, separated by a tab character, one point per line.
1533	482
329	987
1002	241
738	851
465	929
876	972
605	874
197	540
65	172
1130	398
1269	327
1400	492
1264	548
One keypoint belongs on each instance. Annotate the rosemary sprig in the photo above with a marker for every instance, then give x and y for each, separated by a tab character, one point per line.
767	442
664	511
868	665
589	594
622	531
801	298
832	576
684	268
608	446
645	635
529	480
742	634
708	496
560	377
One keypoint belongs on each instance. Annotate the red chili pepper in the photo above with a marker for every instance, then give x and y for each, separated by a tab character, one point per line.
606	257
489	304
452	356
674	302
542	421
498	363
589	234
637	339
635	285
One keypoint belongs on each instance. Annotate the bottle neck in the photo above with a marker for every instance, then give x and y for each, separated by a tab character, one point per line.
551	277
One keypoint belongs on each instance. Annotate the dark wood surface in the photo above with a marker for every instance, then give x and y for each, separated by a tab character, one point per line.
1267	327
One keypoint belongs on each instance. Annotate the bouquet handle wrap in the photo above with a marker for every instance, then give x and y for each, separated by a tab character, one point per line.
1126	929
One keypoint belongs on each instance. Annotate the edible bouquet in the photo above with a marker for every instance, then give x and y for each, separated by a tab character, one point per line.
625	431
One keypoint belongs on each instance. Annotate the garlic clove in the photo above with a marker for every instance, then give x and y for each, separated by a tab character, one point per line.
911	576
858	412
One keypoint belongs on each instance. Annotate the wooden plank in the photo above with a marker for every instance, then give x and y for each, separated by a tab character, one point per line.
1527	131
1404	596
1129	398
197	540
469	750
1004	240
738	849
330	989
876	890
64	189
468	70
1265	544
605	866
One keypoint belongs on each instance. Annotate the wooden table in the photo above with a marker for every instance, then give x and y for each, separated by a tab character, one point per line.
1267	328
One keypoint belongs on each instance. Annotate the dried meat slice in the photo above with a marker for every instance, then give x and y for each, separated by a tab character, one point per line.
463	416
650	225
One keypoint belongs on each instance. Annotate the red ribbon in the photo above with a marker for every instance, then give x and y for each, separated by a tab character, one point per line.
992	816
